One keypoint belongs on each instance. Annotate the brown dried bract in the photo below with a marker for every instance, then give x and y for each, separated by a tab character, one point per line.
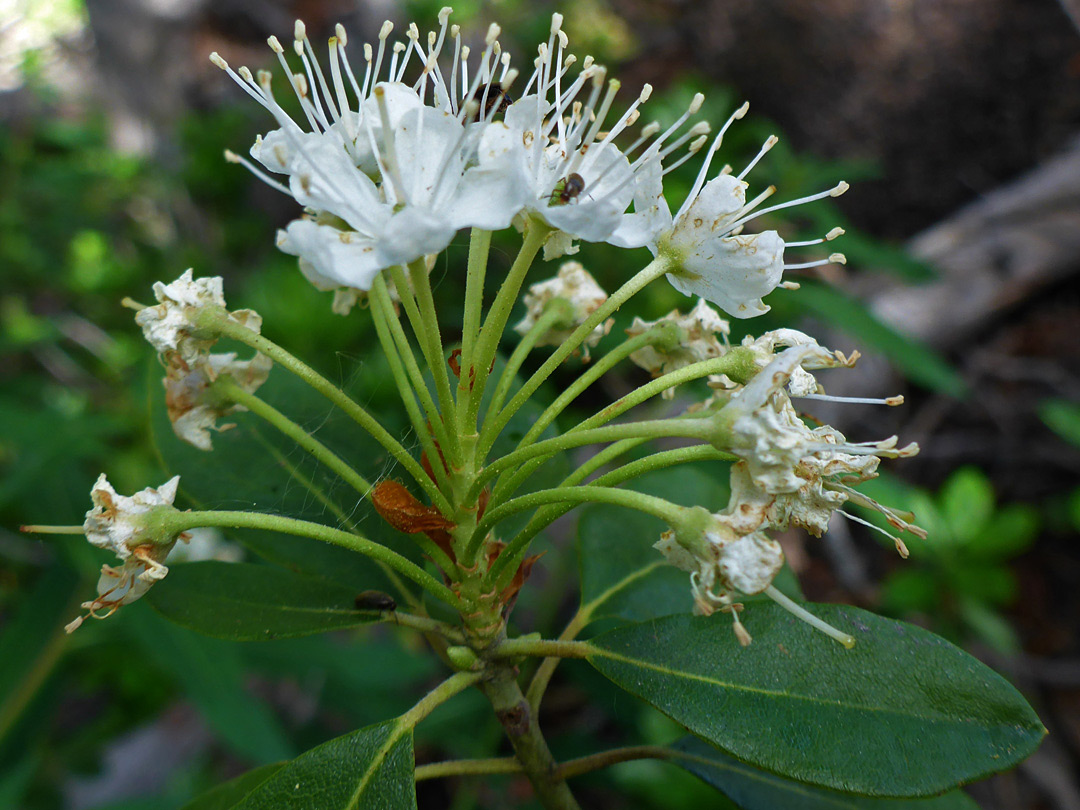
404	512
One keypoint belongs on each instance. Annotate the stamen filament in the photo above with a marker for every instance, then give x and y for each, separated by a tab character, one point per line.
808	617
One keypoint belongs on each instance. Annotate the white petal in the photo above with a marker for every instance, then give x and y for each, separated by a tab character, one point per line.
733	272
411	233
651	216
345	259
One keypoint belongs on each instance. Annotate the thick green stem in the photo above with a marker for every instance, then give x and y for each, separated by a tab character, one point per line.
467	767
218	321
649	504
424	624
649	273
229	389
605	759
175	522
383	317
457	682
474	377
519	723
542	647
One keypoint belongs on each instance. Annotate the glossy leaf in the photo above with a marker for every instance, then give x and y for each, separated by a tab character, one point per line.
904	713
369	769
228	795
752	789
248	602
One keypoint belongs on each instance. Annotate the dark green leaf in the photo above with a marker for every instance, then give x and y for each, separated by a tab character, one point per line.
904	713
247	602
369	769
211	674
752	789
226	796
918	362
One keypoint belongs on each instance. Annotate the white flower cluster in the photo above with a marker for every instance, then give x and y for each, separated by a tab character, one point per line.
124	525
698	331
388	167
579	289
191	368
786	474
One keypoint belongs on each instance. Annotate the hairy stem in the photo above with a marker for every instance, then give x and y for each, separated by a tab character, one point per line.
619	353
229	389
555	312
436	356
479	246
649	273
467	767
219	322
543	647
649	504
605	759
474	377
383	317
692	428
542	677
175	522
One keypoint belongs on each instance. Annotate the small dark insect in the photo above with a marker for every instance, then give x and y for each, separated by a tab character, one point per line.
375	600
497	101
567	189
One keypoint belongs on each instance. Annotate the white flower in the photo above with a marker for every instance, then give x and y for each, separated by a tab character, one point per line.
192	412
711	256
720	561
789	472
698	329
764	429
170	326
572	284
802	382
125	525
117	522
385	178
552	142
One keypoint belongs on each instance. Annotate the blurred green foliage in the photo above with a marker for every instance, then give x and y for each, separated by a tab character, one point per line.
958	580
